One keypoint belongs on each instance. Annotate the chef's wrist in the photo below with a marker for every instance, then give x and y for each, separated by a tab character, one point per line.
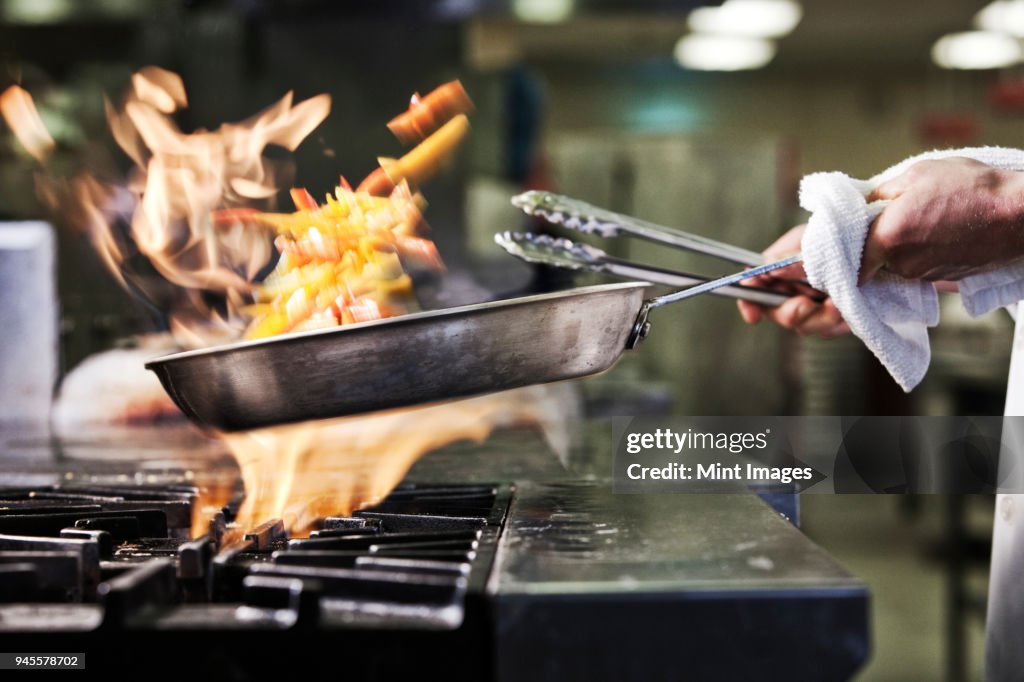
1010	207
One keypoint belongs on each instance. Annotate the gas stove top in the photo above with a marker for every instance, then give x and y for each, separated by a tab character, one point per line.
121	557
534	573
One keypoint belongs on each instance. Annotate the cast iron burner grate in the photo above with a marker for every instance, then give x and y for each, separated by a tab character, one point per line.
83	558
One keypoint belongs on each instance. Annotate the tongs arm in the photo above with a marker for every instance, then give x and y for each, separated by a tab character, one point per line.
589	219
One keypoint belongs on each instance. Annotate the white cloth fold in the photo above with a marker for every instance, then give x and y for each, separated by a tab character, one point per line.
890	314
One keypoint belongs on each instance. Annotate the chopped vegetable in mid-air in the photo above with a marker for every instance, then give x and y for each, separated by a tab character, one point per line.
341	262
347	260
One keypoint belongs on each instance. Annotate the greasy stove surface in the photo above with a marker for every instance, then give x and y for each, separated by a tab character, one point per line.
704	587
520	570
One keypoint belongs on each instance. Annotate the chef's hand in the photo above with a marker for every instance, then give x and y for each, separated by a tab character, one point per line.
802	313
949	218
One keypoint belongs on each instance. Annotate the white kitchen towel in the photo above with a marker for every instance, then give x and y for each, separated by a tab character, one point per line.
890	314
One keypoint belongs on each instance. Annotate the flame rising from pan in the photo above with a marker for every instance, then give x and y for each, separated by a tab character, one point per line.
304	472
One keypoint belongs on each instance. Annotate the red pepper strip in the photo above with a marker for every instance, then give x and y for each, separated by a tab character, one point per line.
422	252
303	200
377	183
427	114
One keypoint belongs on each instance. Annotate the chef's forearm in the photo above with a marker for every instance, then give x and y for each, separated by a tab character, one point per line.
1008	210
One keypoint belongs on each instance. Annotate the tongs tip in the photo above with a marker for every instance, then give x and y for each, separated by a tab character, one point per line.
532	201
548	250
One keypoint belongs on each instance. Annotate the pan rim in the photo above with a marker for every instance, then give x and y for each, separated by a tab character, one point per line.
392	321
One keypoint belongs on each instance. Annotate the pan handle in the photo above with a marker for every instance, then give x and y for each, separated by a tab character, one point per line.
760	296
642	327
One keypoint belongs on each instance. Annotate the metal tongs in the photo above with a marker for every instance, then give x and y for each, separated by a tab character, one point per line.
588	219
583	217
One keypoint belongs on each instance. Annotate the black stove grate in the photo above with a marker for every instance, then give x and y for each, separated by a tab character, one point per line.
79	558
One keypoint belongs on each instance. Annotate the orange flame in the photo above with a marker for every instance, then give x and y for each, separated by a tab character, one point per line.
304	472
19	110
178	181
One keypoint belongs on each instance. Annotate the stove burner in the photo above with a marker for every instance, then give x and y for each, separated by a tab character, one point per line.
122	558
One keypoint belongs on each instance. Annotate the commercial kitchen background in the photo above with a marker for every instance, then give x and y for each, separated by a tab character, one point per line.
593	105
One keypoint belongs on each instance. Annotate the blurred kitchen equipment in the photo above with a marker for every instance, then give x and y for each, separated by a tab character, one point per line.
28	317
426	357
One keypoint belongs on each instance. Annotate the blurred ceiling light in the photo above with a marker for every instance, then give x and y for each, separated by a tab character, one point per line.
1004	16
750	18
723	53
36	11
542	11
976	50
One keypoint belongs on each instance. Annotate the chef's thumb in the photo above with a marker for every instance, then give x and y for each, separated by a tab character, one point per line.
890	189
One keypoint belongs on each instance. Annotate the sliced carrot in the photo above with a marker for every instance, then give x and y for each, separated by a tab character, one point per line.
426	158
421	162
427	114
